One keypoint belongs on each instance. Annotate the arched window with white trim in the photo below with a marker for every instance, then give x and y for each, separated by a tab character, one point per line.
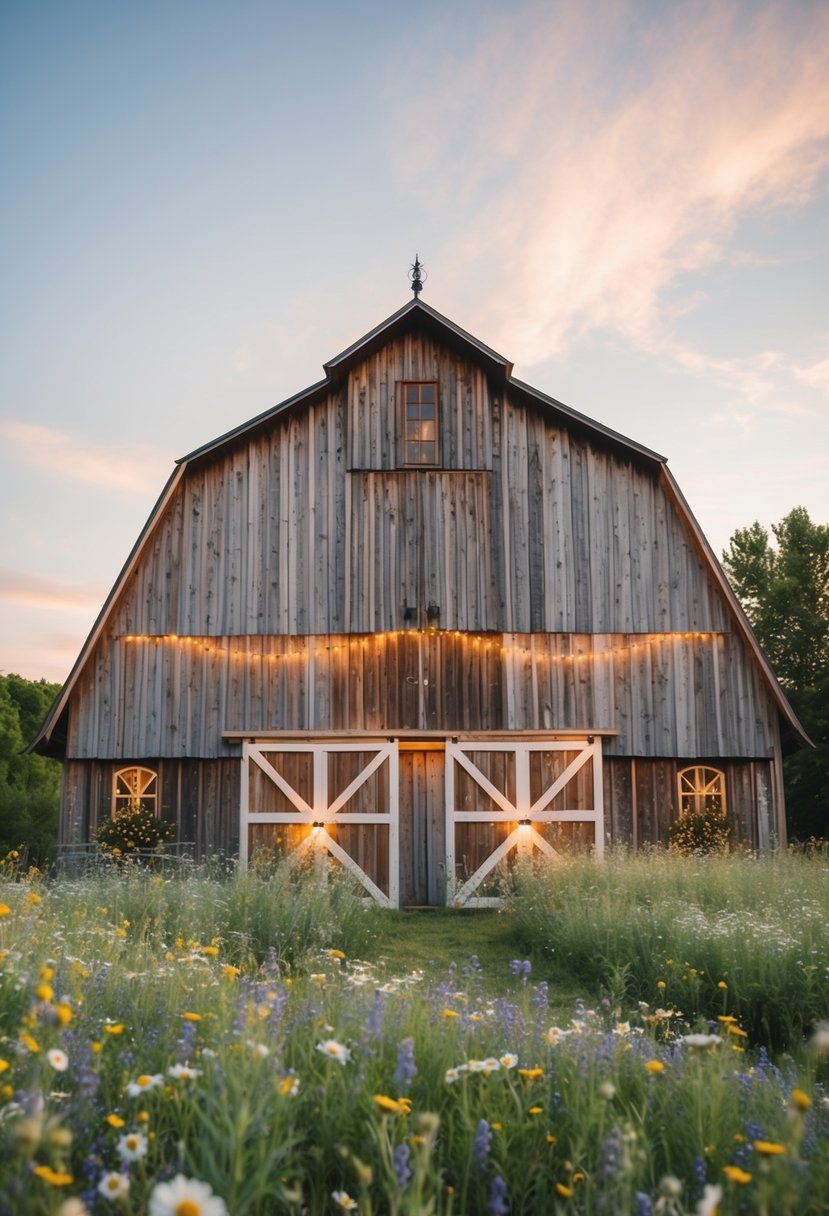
701	788
134	787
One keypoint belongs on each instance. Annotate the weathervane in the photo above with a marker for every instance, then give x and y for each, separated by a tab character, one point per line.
418	276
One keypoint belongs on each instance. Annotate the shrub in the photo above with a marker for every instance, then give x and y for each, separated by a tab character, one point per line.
129	832
700	832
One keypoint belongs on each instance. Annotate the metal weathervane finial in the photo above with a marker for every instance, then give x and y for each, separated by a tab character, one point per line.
418	276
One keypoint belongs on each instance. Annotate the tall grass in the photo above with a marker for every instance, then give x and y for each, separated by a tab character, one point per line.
740	935
227	1032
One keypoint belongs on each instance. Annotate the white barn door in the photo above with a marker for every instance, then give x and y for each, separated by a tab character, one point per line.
330	797
505	797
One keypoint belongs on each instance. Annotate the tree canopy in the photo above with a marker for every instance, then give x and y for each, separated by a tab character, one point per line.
29	785
784	589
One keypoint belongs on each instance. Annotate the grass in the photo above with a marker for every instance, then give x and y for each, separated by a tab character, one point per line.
276	1042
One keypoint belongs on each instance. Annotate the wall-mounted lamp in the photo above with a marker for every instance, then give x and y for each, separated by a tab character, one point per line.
409	614
433	615
524	823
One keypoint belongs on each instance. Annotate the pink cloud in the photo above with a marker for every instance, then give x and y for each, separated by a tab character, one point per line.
118	468
618	145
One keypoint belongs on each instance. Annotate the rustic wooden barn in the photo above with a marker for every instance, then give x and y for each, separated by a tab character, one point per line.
425	618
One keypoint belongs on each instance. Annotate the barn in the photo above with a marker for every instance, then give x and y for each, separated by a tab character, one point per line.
423	619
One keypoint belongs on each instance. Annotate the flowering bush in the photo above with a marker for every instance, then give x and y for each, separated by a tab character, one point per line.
129	831
700	832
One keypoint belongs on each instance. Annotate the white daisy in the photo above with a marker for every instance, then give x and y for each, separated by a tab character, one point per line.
144	1083
334	1050
114	1186
183	1072
185	1195
58	1059
343	1199
132	1146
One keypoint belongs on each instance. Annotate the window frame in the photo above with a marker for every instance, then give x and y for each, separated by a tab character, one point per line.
144	790
694	789
403	422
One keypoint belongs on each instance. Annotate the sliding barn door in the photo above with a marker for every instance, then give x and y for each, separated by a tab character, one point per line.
508	799
316	799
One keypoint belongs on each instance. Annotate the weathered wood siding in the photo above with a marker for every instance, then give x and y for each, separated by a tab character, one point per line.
309	528
202	799
667	695
641	800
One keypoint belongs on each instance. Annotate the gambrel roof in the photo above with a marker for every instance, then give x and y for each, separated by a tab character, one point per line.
418	316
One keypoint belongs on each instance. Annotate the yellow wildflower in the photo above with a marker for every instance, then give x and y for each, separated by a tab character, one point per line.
115	1120
800	1100
531	1074
44	992
734	1174
655	1067
53	1177
27	1041
450	1013
564	1191
769	1148
189	1016
114	1028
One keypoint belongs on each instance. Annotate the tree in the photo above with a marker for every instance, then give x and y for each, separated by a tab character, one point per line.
784	589
29	785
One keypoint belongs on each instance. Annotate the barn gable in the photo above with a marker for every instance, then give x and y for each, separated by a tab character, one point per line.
420	543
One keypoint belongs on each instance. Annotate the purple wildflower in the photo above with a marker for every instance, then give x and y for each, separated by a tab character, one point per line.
482	1142
406	1070
498	1203
401	1165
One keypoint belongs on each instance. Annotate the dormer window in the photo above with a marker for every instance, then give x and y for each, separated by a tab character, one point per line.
419	423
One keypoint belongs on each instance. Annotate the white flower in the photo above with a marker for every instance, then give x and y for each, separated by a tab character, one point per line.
114	1186
709	1204
670	1186
183	1072
343	1199
607	1090
58	1059
509	1059
699	1042
73	1207
185	1195
334	1050
132	1146
144	1083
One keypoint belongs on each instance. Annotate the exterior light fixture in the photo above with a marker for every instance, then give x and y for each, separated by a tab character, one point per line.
433	615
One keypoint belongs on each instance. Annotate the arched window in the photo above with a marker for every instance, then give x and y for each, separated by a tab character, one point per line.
134	787
701	789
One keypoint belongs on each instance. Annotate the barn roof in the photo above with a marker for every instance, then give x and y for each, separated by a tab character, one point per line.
417	315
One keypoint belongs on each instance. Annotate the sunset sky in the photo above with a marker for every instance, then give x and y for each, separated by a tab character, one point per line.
202	202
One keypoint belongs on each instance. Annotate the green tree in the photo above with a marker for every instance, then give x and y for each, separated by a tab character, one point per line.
29	785
784	589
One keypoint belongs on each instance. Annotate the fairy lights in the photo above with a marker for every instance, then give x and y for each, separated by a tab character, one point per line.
537	648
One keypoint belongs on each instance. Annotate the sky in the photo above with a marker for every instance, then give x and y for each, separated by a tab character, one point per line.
202	202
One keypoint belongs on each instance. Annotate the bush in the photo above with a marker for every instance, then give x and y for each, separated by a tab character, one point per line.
700	832
129	832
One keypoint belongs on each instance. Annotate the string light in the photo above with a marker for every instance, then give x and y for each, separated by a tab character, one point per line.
509	651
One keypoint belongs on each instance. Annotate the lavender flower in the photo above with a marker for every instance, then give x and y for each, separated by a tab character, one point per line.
482	1142
406	1070
498	1203
401	1165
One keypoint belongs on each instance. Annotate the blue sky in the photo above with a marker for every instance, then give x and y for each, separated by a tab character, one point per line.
202	202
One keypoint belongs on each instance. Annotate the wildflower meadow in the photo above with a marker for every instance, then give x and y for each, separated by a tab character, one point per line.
231	1045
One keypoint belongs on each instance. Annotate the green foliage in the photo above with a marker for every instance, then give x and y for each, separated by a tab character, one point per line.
29	785
784	589
700	832
132	831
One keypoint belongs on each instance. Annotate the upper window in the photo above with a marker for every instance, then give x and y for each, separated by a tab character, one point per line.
701	789
420	423
134	787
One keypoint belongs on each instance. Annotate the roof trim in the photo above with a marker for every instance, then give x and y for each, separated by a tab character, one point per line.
729	595
418	307
53	717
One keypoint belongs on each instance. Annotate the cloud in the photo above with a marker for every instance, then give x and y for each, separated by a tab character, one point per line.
618	146
35	591
120	468
816	376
